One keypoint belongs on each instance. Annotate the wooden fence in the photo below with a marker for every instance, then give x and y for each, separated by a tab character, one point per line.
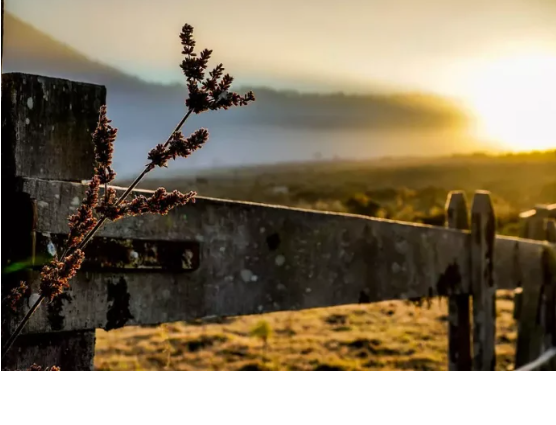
224	258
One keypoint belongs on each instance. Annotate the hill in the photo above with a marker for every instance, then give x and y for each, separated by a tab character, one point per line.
303	125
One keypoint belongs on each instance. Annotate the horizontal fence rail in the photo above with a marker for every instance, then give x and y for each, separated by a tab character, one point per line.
253	258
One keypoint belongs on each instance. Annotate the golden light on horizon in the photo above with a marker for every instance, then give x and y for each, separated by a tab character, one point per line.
515	102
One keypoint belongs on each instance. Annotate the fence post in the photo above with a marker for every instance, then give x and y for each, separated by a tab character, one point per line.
535	306
551	230
536	223
483	232
547	310
46	134
523	233
459	331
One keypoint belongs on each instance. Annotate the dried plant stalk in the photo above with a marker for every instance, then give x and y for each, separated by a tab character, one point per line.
205	93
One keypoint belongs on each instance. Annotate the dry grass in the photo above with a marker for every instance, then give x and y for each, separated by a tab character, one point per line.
390	335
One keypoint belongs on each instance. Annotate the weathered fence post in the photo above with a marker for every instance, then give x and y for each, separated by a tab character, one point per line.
523	233
551	299
46	134
459	331
483	232
547	308
536	223
536	304
551	230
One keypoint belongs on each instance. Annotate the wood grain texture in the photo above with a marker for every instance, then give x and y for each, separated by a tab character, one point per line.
483	284
46	133
535	313
256	258
70	351
551	230
459	327
47	125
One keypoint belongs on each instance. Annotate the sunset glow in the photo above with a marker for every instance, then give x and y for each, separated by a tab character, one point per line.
515	101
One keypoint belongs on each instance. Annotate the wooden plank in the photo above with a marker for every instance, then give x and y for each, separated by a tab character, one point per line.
47	125
215	219
531	332
113	300
551	210
516	259
536	227
459	328
548	316
483	227
551	230
258	258
523	233
70	351
46	133
547	313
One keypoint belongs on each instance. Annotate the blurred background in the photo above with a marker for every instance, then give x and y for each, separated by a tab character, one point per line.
376	107
334	80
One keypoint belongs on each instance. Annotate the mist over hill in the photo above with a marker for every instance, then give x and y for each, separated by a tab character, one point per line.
280	126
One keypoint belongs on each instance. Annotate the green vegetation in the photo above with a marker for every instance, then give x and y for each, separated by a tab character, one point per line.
393	335
263	331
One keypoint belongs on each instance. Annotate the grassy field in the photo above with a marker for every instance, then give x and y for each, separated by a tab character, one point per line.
393	335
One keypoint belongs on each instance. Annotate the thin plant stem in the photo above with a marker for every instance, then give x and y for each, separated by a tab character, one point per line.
84	242
128	190
19	328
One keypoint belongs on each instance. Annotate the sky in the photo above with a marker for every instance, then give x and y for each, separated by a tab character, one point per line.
351	45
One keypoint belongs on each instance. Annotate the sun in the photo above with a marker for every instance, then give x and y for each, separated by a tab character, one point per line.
515	102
